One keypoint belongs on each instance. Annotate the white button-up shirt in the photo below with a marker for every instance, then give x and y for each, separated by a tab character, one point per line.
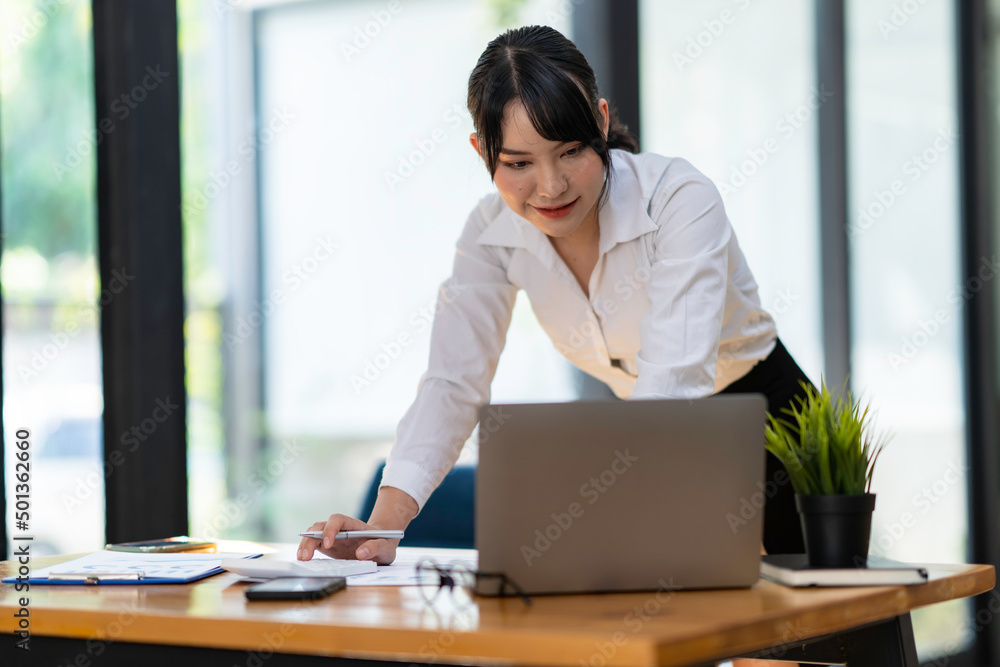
673	310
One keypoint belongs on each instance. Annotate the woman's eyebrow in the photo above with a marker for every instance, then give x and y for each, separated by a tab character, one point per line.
510	151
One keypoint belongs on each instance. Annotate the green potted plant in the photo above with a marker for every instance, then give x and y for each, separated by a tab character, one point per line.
829	449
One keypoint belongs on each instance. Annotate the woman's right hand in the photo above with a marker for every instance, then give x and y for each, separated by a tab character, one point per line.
381	551
394	509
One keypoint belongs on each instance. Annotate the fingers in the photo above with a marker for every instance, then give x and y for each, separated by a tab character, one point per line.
329	544
308	545
381	551
337	523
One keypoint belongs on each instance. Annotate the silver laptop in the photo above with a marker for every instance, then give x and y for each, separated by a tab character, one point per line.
595	496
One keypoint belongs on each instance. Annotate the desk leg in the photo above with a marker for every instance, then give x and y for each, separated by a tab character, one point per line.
884	644
890	644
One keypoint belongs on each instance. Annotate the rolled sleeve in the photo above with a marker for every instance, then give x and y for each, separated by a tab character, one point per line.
469	331
679	336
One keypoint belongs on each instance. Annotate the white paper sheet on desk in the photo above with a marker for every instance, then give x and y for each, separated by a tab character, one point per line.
403	571
152	566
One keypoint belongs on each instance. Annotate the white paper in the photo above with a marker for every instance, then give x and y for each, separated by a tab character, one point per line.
403	571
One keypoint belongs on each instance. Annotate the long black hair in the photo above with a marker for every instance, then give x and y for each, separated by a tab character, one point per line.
539	67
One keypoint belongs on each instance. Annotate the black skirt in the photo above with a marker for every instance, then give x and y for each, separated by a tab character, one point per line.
778	377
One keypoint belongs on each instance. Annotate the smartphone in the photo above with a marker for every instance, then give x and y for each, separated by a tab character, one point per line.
167	545
296	588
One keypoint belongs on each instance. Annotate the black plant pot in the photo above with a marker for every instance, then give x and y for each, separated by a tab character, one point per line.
836	528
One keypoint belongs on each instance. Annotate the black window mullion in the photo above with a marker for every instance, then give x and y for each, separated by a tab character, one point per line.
607	33
833	195
139	236
976	176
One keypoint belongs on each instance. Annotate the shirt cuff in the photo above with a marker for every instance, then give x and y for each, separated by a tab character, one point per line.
411	478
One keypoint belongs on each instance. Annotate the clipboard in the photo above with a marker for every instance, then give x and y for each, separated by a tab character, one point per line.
118	567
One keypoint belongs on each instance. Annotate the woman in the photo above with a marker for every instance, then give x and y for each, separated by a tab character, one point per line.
628	259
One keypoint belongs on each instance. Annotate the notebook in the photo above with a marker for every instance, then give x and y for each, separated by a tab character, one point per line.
794	570
594	496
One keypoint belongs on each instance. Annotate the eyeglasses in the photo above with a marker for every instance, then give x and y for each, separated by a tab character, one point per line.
461	582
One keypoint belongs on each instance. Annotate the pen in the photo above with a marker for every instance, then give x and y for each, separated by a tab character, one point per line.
358	534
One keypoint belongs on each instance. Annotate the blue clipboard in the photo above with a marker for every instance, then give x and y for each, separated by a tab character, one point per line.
117	568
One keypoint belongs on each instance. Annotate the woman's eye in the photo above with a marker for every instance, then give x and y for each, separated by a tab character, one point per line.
574	151
516	165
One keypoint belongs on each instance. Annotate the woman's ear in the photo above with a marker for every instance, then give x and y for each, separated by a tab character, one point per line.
602	107
474	140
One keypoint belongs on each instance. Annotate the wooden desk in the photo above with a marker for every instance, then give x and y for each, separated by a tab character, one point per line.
211	623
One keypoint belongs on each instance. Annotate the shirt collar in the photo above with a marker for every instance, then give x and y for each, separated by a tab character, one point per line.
510	230
623	217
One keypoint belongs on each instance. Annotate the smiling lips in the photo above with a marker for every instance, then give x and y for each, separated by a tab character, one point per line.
553	213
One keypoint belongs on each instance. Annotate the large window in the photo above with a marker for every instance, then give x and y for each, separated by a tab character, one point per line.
730	85
710	93
907	291
328	174
48	272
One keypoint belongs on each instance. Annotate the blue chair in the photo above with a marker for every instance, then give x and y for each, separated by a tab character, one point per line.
448	517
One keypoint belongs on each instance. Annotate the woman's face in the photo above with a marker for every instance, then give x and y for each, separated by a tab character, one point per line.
553	185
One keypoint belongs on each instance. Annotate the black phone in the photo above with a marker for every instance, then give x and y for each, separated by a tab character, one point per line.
296	588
